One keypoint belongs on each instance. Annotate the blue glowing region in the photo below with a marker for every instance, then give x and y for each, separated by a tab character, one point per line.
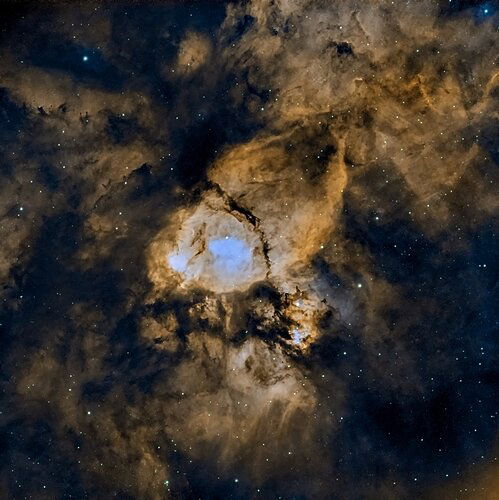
230	255
299	335
296	336
178	262
484	11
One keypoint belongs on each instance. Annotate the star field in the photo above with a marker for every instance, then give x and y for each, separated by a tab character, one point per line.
249	249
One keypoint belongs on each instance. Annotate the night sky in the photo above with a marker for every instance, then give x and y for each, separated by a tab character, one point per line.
249	249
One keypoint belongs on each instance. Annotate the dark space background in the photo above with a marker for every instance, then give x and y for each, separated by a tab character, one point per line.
105	133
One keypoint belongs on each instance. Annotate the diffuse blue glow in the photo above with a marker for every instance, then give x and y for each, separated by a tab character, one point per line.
231	255
223	262
484	11
178	262
296	336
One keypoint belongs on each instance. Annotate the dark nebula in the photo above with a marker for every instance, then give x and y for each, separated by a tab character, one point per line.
249	249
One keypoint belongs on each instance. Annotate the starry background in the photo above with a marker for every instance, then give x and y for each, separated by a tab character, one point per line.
112	115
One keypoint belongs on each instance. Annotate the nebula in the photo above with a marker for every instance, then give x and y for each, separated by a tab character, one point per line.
249	249
215	247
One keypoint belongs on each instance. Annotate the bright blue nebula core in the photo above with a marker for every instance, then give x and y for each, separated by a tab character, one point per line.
296	336
231	256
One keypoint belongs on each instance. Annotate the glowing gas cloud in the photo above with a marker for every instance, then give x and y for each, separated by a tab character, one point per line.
249	249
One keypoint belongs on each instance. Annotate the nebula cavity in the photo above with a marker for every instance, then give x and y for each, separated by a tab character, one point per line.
217	248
